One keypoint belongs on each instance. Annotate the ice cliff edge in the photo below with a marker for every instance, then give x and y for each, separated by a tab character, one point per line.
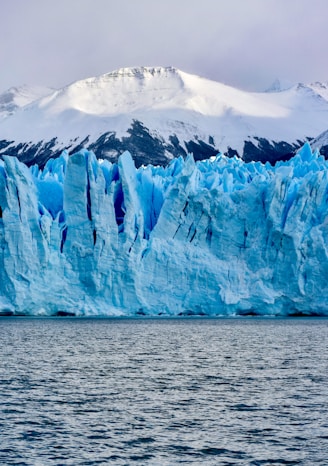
217	237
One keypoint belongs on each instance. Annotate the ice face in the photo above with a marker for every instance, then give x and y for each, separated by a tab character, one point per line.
217	237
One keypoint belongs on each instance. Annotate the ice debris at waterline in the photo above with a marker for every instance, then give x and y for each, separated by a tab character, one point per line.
217	237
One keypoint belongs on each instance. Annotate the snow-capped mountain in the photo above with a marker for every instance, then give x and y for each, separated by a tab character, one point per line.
160	113
18	97
321	143
320	88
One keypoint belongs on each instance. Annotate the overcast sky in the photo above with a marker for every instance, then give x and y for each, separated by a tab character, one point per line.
245	43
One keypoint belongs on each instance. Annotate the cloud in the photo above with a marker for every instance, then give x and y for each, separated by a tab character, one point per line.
244	43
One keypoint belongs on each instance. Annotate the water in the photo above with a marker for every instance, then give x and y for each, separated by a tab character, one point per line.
163	392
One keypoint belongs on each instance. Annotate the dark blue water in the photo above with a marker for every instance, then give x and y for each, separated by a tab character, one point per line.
163	392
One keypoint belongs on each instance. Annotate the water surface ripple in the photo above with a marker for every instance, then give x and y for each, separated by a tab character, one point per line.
163	392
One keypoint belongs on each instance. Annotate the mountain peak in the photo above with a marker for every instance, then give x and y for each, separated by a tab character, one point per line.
128	80
279	85
142	72
123	91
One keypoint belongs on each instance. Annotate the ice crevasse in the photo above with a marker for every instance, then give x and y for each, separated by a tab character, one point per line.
216	237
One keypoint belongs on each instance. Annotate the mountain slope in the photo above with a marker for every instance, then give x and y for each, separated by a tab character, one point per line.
160	113
18	97
321	143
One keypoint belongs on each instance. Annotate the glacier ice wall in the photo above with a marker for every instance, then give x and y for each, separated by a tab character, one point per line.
217	237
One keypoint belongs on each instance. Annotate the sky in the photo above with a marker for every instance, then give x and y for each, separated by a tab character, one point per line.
243	43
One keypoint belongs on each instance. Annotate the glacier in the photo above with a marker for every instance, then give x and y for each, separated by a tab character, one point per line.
215	237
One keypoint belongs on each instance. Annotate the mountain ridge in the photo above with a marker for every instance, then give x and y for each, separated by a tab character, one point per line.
158	113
